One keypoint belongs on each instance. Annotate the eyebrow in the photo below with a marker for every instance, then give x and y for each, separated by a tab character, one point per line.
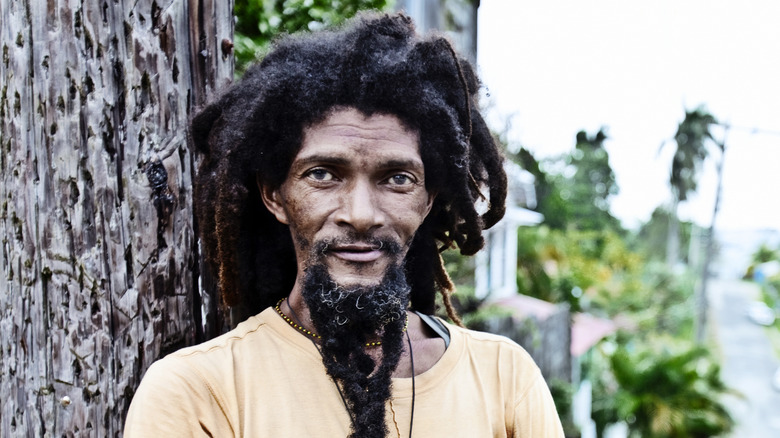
342	161
324	159
402	164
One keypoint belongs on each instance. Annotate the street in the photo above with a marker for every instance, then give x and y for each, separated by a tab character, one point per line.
749	363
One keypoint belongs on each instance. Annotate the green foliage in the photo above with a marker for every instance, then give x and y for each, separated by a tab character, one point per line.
694	140
693	137
562	393
590	270
664	394
460	267
671	302
582	256
592	184
258	22
765	254
532	279
651	239
549	201
574	190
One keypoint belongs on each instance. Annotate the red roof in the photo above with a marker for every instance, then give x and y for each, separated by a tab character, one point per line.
586	331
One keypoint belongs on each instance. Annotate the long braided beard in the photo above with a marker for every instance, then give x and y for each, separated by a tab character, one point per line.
348	317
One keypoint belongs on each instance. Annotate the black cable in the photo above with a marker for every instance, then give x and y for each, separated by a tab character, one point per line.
411	359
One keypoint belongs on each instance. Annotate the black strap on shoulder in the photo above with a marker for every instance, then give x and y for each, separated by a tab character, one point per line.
436	325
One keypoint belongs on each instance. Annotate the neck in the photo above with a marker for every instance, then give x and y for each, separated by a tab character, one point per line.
296	308
428	347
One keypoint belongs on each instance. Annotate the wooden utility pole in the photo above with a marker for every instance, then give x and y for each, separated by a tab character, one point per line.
99	254
702	299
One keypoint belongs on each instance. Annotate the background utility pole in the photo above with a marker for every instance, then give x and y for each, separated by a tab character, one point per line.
702	301
99	261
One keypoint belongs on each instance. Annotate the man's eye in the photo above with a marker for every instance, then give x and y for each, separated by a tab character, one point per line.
320	175
401	179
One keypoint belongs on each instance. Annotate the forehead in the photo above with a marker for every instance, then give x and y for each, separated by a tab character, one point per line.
351	134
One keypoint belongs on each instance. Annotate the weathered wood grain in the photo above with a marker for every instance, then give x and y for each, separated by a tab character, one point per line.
99	257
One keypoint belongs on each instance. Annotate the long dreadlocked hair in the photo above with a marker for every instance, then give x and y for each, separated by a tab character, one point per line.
377	64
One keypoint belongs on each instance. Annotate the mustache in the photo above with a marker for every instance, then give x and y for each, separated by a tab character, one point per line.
387	244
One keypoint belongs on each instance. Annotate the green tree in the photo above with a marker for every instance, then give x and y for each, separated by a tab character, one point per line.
695	143
593	183
651	238
258	22
549	202
692	139
574	190
586	182
765	254
590	270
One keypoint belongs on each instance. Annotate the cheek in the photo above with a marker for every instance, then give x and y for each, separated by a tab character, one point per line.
410	216
301	207
301	221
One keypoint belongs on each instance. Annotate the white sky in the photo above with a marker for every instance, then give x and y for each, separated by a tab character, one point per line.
556	67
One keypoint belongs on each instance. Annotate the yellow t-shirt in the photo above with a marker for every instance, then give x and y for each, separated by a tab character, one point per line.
264	379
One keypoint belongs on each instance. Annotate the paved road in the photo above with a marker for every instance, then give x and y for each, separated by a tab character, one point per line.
748	360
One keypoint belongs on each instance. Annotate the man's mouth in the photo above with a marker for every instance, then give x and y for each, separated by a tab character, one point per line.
357	253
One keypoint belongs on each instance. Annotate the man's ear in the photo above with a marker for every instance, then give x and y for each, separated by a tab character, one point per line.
273	201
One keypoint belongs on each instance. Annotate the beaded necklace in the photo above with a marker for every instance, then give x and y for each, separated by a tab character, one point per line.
302	329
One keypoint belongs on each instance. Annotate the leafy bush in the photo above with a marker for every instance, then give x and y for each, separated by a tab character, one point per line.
258	22
663	393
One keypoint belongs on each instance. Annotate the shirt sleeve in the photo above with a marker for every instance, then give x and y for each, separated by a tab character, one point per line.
174	400
535	413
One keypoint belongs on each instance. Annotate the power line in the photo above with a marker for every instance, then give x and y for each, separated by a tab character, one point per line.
750	130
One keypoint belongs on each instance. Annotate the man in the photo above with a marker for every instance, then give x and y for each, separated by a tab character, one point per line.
334	174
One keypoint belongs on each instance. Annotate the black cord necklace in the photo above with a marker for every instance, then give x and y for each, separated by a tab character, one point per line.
341	394
411	360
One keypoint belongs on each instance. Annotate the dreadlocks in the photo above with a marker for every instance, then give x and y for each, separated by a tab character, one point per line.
378	65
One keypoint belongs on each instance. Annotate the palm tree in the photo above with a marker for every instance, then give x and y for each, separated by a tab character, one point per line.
692	138
694	145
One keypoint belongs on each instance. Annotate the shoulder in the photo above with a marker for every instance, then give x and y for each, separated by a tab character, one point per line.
193	363
489	354
250	328
205	364
491	344
530	410
191	389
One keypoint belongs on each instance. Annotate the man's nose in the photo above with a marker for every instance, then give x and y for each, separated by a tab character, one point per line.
360	207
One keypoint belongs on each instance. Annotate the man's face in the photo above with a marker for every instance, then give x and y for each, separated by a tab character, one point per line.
357	181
